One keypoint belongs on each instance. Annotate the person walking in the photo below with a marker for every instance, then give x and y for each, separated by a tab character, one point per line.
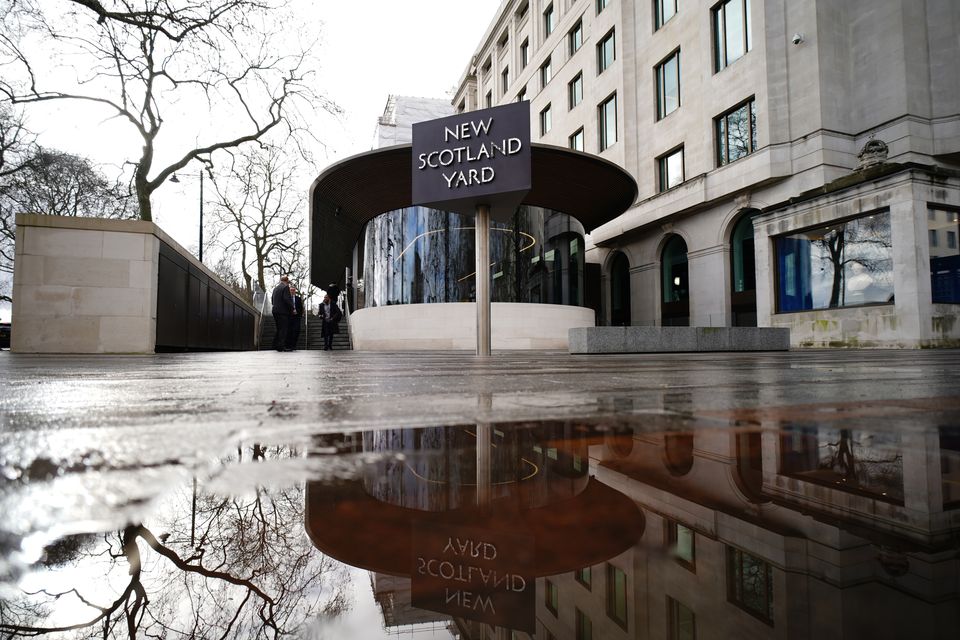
283	310
331	315
296	320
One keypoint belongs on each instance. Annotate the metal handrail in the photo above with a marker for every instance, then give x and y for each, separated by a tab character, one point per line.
345	308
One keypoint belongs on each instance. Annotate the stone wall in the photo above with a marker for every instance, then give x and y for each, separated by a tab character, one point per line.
453	326
87	285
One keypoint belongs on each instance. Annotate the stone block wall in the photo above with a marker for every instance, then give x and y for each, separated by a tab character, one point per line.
86	285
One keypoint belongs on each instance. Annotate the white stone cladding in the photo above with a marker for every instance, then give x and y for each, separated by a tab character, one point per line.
825	78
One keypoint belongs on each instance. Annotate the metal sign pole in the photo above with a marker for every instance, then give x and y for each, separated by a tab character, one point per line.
483	279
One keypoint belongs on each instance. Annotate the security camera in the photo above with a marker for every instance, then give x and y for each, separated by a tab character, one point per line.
797	38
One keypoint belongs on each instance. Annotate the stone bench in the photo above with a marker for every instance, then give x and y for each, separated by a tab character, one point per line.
677	339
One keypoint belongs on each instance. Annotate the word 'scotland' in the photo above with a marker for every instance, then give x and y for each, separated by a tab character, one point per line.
477	144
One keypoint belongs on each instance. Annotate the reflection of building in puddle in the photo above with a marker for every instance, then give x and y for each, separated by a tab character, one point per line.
474	515
813	528
393	595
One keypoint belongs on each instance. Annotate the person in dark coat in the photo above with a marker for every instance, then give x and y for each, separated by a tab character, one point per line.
282	303
331	315
296	320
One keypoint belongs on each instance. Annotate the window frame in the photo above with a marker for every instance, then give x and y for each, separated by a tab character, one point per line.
602	128
571	93
583	625
505	80
660	79
658	5
662	174
610	37
578	133
522	94
549	21
546	119
672	536
601	5
546	72
718	28
578	575
723	159
551	597
488	99
673	614
571	41
525	53
732	553
610	596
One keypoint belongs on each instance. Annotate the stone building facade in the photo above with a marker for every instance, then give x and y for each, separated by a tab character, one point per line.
798	162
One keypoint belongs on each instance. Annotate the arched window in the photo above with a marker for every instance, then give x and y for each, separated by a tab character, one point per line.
620	291
743	294
675	279
678	453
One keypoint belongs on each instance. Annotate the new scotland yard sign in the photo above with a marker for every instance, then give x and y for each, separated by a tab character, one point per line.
480	157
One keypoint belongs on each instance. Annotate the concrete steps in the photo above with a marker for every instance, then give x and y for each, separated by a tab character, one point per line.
310	338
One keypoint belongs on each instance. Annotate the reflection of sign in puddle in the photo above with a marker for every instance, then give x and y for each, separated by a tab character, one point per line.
474	516
475	574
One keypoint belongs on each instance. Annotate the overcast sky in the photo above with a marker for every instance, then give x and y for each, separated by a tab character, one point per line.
368	50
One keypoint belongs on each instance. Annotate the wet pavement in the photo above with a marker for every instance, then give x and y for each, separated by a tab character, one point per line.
809	494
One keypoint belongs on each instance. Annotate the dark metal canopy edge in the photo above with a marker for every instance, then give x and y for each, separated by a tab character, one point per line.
348	194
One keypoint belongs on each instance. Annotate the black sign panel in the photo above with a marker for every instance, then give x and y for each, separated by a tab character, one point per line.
480	157
475	574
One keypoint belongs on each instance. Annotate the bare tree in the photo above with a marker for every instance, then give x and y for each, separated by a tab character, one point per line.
143	60
258	216
237	567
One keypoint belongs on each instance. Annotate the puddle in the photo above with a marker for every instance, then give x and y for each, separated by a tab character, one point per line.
640	527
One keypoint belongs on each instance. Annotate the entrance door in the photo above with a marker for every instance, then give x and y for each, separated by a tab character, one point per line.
620	291
743	294
675	279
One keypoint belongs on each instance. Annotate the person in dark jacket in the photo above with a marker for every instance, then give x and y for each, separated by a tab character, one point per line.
331	315
282	303
296	320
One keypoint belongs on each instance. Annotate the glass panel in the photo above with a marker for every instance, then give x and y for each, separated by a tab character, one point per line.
846	460
425	255
608	123
748	23
846	264
721	141
718	40
525	53
671	170
735	33
576	38
617	594
576	141
576	91
738	133
605	53
744	266
671	84
684	545
682	621
750	583
548	20
944	255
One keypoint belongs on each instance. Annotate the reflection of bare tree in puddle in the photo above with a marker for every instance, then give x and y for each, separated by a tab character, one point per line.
251	573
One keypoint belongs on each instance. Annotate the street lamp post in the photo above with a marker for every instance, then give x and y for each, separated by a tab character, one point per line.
174	179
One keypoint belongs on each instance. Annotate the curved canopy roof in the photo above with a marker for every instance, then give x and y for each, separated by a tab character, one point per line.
351	192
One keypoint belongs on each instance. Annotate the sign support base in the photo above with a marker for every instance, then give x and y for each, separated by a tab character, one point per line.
483	279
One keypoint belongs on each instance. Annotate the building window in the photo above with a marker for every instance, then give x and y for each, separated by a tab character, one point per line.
668	85
682	543
584	627
504	40
736	133
546	72
549	20
522	10
731	32
617	595
546	120
488	99
602	4
844	264
575	37
682	624
606	52
663	10
576	140
525	54
750	584
462	106
505	79
944	256
551	597
522	94
585	577
607	120
670	170
575	91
